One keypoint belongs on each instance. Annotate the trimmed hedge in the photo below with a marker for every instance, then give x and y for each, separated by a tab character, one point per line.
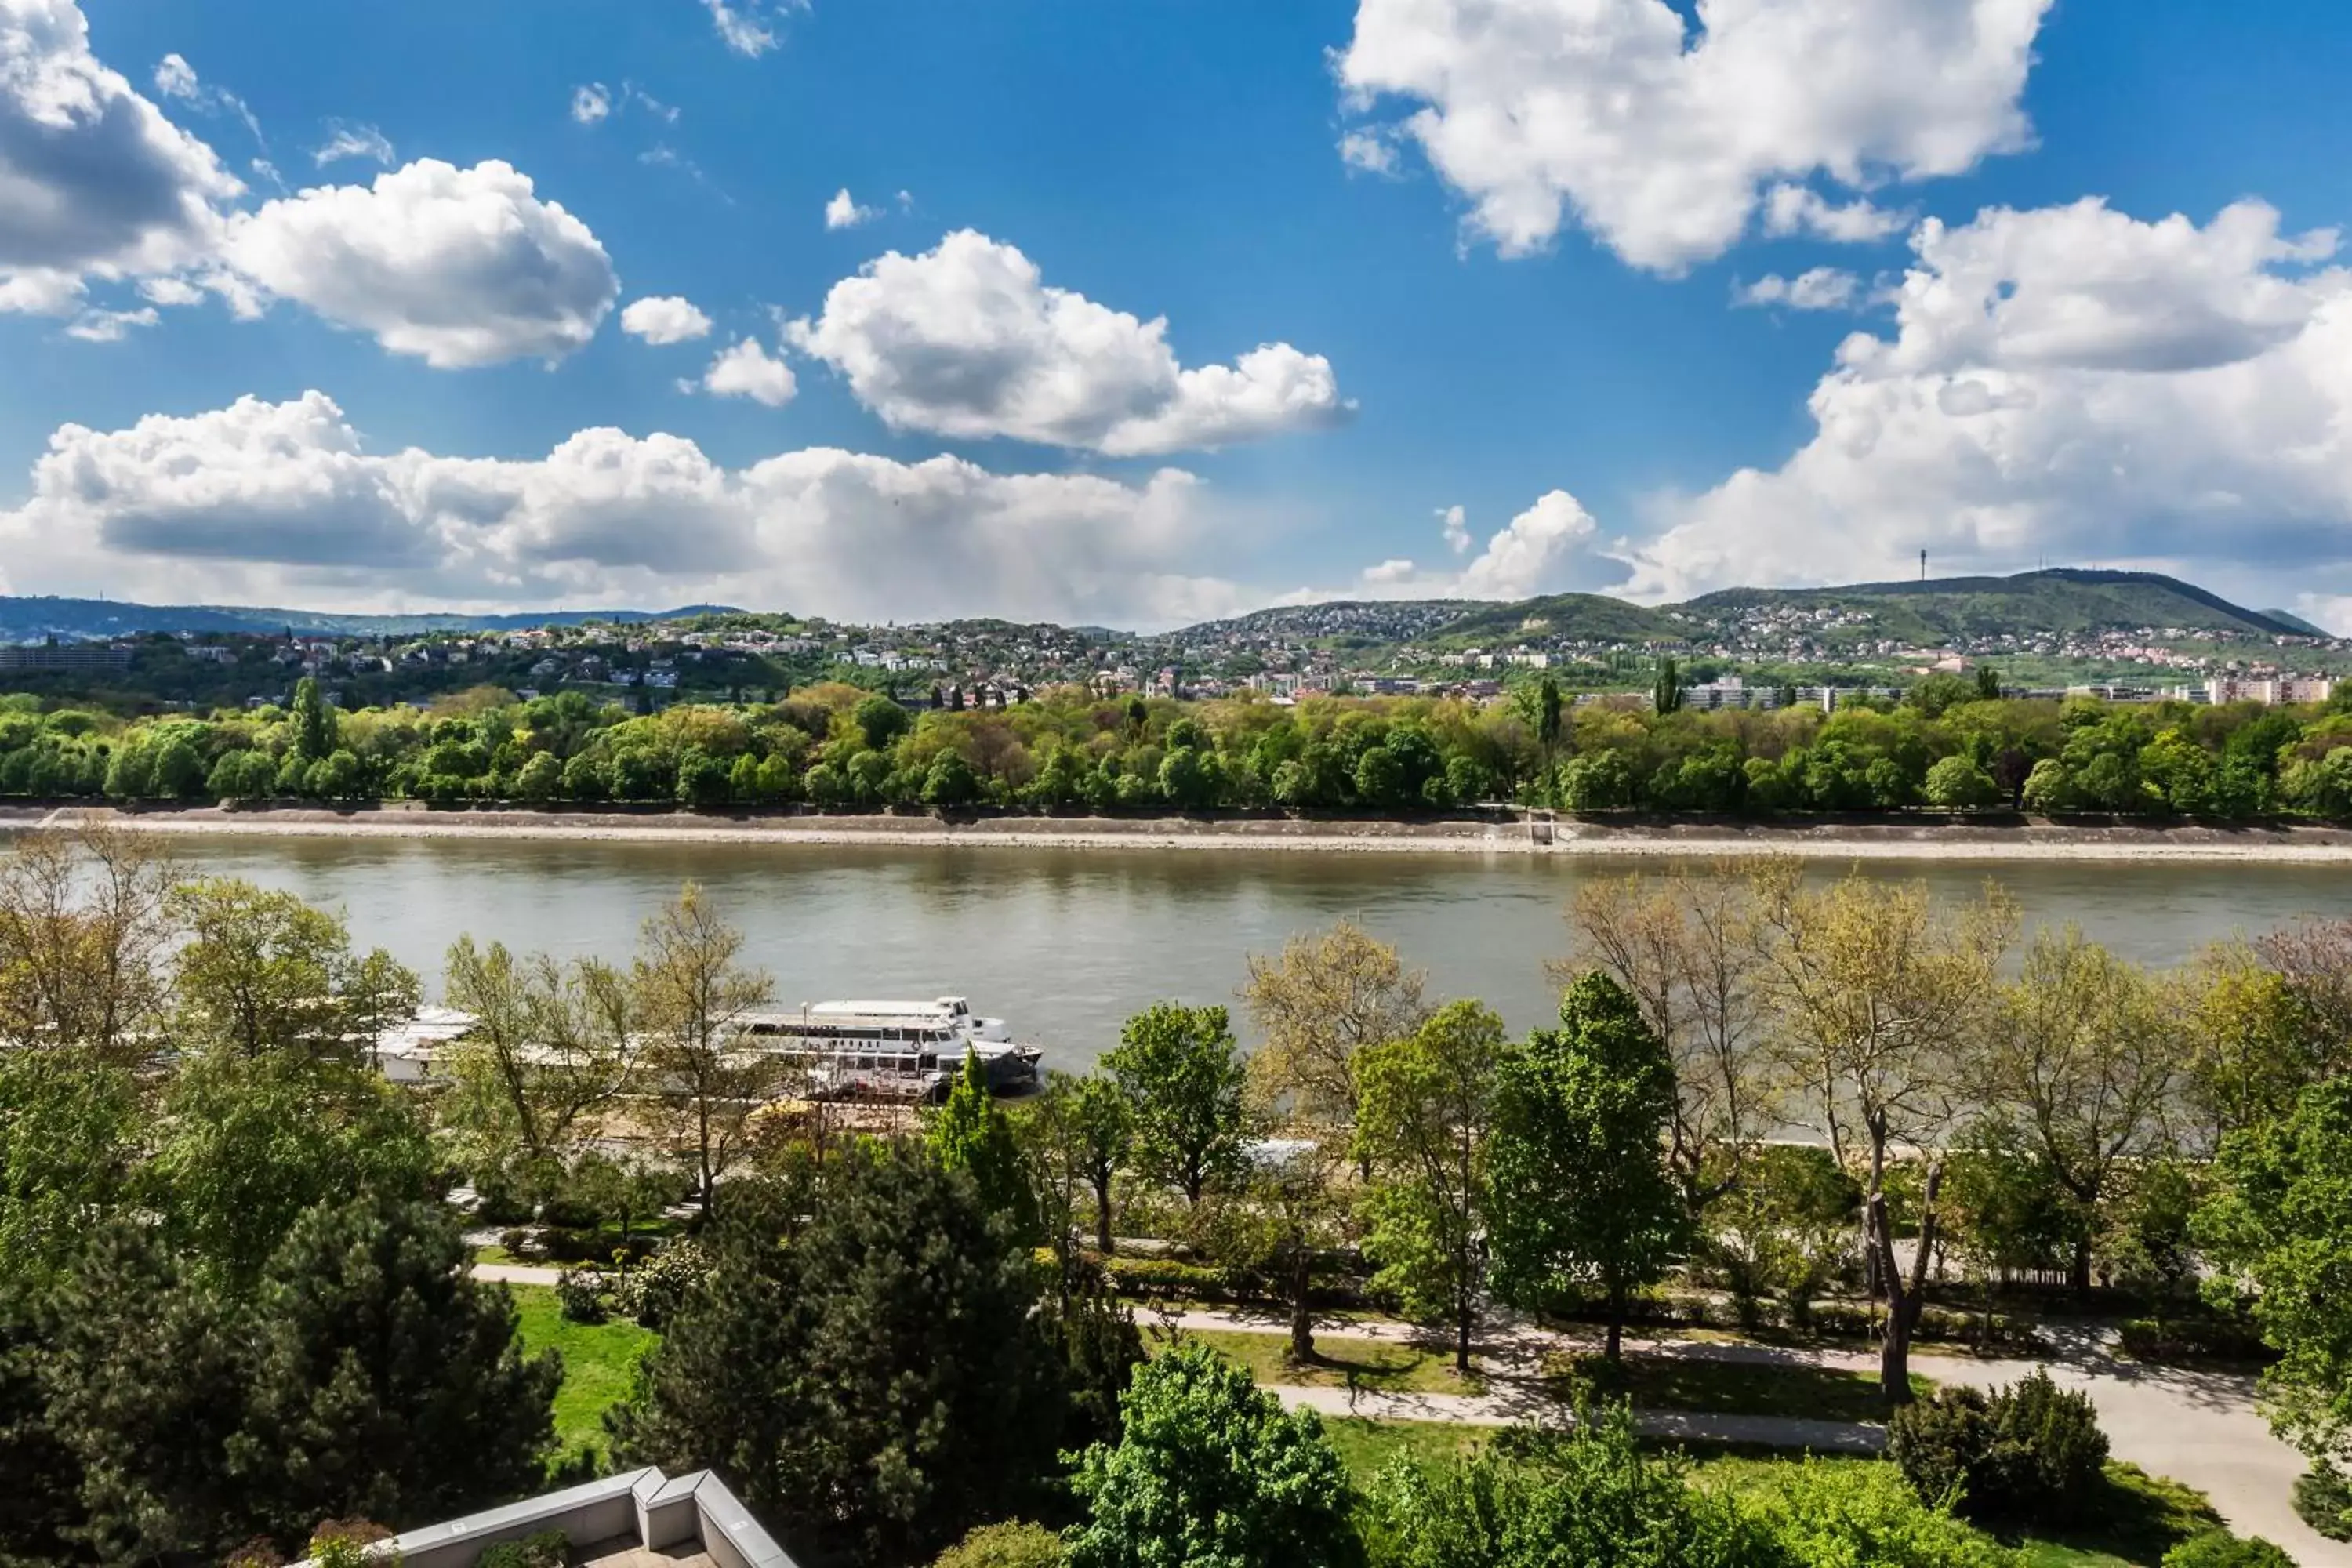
2189	1341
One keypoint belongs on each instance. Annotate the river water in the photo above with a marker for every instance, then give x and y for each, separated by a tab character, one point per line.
1068	942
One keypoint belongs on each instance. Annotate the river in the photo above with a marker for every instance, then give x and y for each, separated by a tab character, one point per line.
1067	943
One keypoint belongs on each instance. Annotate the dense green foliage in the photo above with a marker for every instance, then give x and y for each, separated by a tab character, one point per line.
836	746
1211	1472
2029	1454
2220	1548
1581	1196
2281	1217
863	1361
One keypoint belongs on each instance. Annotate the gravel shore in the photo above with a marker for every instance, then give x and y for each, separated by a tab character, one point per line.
2009	839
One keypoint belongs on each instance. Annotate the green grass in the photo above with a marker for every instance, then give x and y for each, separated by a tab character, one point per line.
2140	1518
598	1361
1373	1365
494	1255
1730	1387
1366	1446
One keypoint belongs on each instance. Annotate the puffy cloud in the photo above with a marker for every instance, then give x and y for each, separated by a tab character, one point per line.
589	103
663	319
354	141
1372	150
967	340
1536	553
1524	558
1799	210
745	369
94	182
1456	528
459	266
2070	384
1660	142
1818	288
841	212
262	500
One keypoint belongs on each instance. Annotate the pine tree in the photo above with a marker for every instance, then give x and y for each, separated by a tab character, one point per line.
864	1362
1667	695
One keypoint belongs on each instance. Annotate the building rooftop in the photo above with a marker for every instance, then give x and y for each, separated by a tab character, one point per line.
641	1518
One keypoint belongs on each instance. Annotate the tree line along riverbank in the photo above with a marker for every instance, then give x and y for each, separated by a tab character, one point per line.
216	1204
1946	745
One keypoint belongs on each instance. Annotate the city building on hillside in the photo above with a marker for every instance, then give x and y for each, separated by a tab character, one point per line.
2268	690
640	1519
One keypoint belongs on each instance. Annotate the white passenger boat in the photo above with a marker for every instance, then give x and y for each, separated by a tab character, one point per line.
894	1051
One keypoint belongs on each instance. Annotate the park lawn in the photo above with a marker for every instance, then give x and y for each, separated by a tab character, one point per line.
1729	1387
1368	1447
1373	1365
599	1360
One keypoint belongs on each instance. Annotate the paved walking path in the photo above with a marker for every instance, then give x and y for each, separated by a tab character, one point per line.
2197	1427
516	1273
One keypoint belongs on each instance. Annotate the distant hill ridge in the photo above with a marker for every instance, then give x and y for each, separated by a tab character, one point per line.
25	619
2055	601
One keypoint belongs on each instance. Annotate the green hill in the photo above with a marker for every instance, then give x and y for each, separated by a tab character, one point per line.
2058	601
1576	616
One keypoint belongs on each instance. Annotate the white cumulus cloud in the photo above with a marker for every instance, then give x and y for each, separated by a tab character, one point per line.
1800	210
458	267
745	369
1661	139
1536	553
842	212
94	181
1456	525
663	319
589	103
968	340
1816	289
259	501
2071	383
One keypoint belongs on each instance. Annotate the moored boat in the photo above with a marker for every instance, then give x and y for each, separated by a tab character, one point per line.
894	1051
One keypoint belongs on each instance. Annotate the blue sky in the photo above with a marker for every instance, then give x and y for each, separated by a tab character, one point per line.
1662	299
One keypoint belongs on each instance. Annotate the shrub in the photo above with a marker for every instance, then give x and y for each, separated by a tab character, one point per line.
581	1293
547	1548
2193	1340
1817	1512
1938	1442
1008	1545
2220	1548
567	1245
2324	1499
655	1290
2051	1455
2026	1454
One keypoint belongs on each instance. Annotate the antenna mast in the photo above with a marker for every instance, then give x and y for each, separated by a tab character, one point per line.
1923	566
